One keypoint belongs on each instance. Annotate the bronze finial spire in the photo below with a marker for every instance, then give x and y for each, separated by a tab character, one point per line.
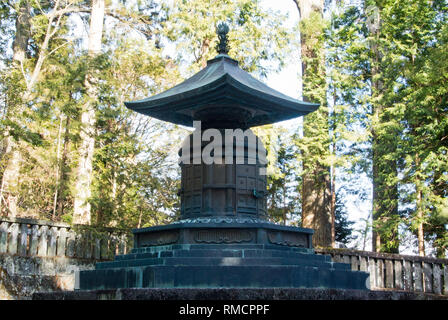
223	46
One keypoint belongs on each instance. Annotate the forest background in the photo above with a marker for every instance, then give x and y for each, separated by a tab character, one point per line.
368	170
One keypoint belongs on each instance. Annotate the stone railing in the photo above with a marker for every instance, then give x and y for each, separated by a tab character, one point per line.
29	237
43	239
395	271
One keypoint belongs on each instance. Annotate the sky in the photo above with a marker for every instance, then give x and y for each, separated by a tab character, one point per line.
287	80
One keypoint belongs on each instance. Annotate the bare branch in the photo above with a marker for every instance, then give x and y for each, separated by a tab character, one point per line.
131	24
24	75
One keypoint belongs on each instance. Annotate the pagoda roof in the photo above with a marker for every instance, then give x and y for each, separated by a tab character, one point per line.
222	84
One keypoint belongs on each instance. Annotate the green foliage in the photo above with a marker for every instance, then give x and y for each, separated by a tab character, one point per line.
315	143
342	225
257	38
283	204
47	119
392	73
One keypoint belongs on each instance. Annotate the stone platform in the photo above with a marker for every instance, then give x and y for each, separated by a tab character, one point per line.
271	294
222	266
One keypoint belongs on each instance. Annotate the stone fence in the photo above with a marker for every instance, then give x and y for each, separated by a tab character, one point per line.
29	237
38	255
43	256
395	271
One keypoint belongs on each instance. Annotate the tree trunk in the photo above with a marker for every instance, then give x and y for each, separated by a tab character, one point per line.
333	207
420	231
63	179
316	208
12	155
419	208
81	213
316	188
58	170
284	210
23	25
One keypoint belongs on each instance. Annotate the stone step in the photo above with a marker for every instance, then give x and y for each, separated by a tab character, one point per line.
283	253
246	253
181	253
284	276
219	247
251	246
221	261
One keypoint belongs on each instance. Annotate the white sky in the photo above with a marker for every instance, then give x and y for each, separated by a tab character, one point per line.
287	80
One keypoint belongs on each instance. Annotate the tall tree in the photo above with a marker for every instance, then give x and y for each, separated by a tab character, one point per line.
11	151
385	49
419	32
384	162
37	26
358	78
81	210
135	161
317	211
349	123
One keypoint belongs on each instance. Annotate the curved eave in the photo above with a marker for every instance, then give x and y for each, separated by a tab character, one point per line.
155	103
279	108
275	101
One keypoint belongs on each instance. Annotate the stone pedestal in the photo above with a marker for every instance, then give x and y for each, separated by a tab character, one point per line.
224	238
222	253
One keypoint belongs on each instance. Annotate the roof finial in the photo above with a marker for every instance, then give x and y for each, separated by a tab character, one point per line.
223	46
